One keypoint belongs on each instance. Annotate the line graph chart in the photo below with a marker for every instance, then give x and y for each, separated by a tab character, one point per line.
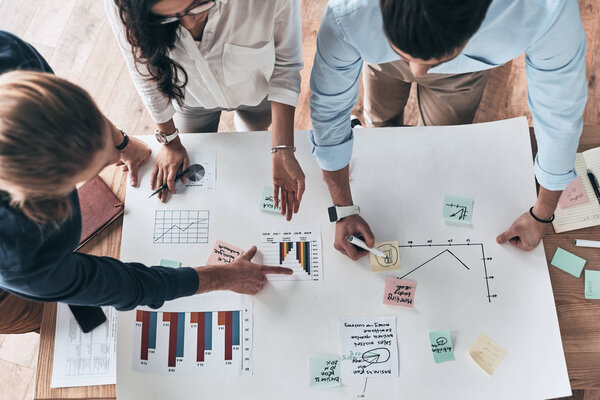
181	226
451	257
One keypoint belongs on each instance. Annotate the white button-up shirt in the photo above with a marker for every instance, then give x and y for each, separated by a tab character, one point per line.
250	49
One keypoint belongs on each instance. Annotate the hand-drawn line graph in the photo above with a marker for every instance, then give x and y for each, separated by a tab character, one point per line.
476	246
181	226
461	212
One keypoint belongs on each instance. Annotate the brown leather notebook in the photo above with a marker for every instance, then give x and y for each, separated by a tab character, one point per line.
99	207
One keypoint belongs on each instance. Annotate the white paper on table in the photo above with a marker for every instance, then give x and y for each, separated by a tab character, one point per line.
368	346
202	173
84	359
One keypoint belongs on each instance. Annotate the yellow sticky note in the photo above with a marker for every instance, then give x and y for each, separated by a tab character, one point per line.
390	262
487	353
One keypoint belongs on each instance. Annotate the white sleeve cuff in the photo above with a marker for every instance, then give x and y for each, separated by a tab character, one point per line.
283	95
552	181
332	157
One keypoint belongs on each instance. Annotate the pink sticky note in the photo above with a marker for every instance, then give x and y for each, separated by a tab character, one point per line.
399	292
224	253
573	195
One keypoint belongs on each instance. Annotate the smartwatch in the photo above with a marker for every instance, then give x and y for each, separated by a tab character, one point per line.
164	138
336	213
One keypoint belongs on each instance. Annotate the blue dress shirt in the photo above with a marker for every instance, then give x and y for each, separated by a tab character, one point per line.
549	32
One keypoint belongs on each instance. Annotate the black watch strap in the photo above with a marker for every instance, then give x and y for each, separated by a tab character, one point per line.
543	221
124	142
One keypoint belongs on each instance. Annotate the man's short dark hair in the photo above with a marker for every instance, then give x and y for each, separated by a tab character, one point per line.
429	29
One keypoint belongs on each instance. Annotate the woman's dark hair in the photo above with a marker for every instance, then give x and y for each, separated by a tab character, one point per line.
151	43
429	29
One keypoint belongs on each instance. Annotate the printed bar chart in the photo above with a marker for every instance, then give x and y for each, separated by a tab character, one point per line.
297	248
193	343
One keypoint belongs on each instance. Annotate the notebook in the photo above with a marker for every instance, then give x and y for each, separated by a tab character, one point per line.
99	207
587	214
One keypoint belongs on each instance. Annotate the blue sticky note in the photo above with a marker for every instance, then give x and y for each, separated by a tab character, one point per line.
441	346
457	210
267	202
169	263
324	371
592	284
568	262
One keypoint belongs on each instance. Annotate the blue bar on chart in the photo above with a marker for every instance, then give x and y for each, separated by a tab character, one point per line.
152	333
208	331
235	324
180	333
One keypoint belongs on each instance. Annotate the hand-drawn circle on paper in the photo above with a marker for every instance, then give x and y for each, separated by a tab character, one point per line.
376	356
441	341
196	173
392	255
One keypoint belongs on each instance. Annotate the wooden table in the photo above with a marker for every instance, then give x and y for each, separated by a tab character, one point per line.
579	318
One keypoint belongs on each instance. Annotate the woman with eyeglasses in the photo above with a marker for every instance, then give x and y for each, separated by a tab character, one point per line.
192	59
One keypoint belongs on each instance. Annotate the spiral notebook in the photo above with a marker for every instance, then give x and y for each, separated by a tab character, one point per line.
586	214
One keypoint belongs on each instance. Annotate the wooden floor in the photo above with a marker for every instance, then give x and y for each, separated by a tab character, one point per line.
75	38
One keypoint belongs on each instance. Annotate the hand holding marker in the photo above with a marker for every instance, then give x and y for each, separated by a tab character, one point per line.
358	242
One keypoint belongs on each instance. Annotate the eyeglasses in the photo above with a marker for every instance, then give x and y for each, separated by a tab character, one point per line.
198	7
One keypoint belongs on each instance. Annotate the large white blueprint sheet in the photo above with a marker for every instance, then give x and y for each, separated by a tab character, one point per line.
400	178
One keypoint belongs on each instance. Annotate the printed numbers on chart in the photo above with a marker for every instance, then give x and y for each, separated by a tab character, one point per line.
144	362
200	364
221	328
171	369
227	362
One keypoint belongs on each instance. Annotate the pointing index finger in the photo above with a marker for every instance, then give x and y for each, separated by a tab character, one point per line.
276	270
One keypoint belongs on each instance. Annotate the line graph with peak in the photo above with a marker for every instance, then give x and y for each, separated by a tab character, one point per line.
181	226
452	261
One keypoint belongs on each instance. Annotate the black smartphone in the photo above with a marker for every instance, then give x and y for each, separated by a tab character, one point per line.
88	318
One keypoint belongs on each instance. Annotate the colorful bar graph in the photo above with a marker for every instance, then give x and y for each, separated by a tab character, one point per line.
235	327
228	336
199	317
303	255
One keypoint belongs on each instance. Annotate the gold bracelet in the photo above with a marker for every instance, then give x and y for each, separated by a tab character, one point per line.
282	147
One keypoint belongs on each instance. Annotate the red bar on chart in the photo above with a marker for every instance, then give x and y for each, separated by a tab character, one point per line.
194	318
221	318
200	342
172	339
228	333
145	334
139	316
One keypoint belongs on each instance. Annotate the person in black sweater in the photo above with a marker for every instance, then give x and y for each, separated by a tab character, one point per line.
52	137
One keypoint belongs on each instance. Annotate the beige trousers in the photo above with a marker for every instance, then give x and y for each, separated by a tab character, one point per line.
443	99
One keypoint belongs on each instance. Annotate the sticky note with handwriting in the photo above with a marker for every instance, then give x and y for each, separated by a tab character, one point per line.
573	195
169	263
223	253
399	292
487	353
324	371
592	284
392	257
441	346
267	202
568	262
457	210
368	346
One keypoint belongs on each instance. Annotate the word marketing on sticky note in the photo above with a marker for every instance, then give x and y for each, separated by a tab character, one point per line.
399	292
573	195
224	253
324	371
592	284
390	262
568	262
457	210
441	346
487	353
266	201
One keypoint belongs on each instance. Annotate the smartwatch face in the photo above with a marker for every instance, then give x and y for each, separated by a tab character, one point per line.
160	137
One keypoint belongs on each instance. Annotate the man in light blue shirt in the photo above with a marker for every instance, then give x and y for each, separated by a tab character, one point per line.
427	37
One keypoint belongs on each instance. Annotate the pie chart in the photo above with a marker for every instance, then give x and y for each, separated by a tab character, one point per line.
196	173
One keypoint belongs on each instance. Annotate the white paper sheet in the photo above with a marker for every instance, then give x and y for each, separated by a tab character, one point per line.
84	359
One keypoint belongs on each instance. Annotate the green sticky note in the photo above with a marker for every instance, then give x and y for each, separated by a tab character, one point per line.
457	210
324	371
441	346
592	284
568	262
266	201
169	263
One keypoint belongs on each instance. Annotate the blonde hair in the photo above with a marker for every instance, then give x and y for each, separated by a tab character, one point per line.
50	130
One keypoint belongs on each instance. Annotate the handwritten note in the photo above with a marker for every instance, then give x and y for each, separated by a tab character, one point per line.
224	253
169	263
457	210
399	292
266	201
573	195
592	284
324	371
487	353
390	262
368	346
441	346
568	262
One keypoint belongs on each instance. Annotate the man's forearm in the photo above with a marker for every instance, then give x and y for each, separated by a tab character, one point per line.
546	203
339	186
